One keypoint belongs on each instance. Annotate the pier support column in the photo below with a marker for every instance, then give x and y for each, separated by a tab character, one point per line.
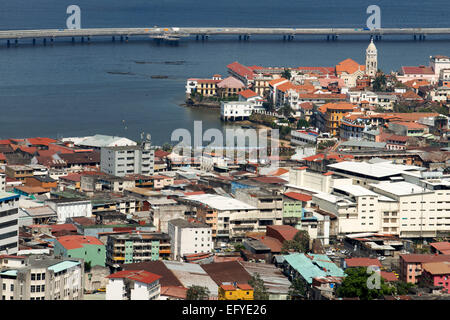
284	38
240	37
415	37
328	37
126	39
423	37
82	39
8	43
73	39
44	41
51	40
89	39
16	42
34	41
113	39
196	37
121	38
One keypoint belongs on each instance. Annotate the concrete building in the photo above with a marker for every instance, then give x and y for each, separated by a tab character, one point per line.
238	110
9	223
90	249
42	277
164	210
136	247
120	161
69	208
189	237
304	137
411	265
133	285
229	218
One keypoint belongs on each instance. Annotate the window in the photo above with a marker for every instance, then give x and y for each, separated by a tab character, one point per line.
33	289
12	287
33	277
38	276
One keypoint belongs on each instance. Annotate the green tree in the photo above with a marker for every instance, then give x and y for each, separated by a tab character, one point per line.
197	293
259	289
355	285
300	243
285	110
379	84
297	289
302	123
403	288
286	74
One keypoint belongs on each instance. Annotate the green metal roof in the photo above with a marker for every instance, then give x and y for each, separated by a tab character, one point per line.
319	266
63	266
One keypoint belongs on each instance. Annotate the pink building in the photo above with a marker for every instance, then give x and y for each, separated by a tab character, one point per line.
437	274
411	265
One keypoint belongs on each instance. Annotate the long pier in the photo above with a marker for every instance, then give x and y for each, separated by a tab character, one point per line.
175	33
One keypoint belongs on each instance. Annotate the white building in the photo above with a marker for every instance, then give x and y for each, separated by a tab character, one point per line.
9	223
133	285
371	59
99	141
69	208
238	110
304	137
42	277
420	212
439	63
120	161
188	238
229	218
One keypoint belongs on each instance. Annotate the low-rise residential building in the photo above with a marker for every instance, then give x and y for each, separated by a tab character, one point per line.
411	265
133	285
88	248
189	237
437	274
239	291
238	110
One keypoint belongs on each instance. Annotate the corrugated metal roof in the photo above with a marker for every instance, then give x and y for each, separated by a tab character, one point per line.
63	266
274	280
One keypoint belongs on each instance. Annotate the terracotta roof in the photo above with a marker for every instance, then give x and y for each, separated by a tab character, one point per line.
65	226
442	267
276	81
349	66
324	96
272	243
388	276
409	95
270	180
410	125
246	94
241	70
278	172
306	106
227	287
282	233
417	70
298	196
441	246
75	241
161	153
136	275
231	82
244	286
362	262
422	258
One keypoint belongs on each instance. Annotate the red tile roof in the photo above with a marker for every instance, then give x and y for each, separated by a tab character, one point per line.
246	94
421	258
282	233
228	287
388	276
349	66
75	241
443	246
362	262
244	286
298	196
241	70
61	227
136	275
417	70
270	180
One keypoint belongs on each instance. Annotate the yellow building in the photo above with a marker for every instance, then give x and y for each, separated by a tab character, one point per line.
241	291
332	113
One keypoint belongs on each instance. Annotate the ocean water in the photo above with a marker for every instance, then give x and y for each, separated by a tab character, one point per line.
67	89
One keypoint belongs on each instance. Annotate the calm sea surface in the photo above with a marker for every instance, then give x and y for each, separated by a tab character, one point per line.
81	89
